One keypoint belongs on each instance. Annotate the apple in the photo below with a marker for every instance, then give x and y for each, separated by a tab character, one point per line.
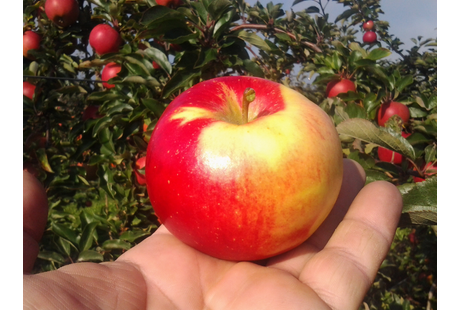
28	89
337	87
140	164
169	3
369	25
243	168
428	170
30	41
389	156
91	112
155	65
110	70
62	12
104	39
390	108
369	37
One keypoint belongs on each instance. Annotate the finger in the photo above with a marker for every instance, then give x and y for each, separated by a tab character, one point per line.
111	285
293	261
35	214
346	267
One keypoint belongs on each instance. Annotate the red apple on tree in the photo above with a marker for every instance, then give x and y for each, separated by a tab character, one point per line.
91	112
369	37
62	12
104	39
28	89
140	164
155	65
390	108
369	25
30	41
110	70
337	87
169	3
243	168
389	156
428	170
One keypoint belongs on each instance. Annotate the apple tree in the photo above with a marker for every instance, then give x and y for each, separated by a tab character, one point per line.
95	86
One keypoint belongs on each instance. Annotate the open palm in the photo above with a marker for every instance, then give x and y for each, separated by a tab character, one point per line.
333	269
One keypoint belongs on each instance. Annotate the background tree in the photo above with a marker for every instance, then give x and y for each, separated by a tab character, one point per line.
90	106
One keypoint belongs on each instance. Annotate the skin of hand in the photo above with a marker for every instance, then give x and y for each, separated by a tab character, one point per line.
333	269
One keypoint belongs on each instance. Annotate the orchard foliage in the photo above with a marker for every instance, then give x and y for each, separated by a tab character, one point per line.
82	139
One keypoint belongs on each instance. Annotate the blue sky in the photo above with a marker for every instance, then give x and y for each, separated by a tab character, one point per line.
408	18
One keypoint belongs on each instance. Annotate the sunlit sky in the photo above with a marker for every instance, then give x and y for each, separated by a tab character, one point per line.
407	18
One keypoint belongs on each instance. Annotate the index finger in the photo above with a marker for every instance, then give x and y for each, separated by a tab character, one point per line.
346	267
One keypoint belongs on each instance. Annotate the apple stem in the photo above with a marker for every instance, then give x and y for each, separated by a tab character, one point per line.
248	97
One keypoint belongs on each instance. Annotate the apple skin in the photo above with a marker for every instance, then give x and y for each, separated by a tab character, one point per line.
28	89
30	40
169	3
110	70
430	169
140	164
388	109
336	87
91	112
62	12
369	37
104	39
369	25
389	156
243	192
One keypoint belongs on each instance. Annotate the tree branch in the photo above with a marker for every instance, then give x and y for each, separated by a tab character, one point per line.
277	30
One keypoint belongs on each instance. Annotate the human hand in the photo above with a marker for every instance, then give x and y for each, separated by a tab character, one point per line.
333	269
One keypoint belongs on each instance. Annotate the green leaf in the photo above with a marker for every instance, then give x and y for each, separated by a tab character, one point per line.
297	1
154	105
218	7
312	10
365	130
253	68
346	14
116	244
205	57
160	58
404	82
90	256
87	237
430	153
254	39
43	159
51	256
65	232
133	235
420	203
180	80
378	53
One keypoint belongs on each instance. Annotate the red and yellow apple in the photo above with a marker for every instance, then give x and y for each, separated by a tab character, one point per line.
62	12
389	156
369	37
369	25
30	41
243	168
140	164
28	89
390	108
110	71
342	86
104	39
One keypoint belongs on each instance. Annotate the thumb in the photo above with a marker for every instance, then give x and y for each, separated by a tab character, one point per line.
35	215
